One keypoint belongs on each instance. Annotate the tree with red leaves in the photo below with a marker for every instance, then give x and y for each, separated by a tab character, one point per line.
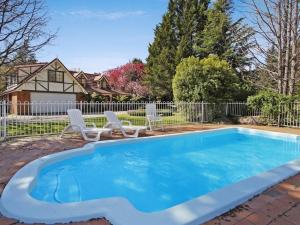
129	78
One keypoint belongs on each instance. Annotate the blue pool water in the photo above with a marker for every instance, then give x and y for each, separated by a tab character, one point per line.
158	173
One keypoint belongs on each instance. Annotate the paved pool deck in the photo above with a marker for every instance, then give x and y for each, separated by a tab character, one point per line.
279	205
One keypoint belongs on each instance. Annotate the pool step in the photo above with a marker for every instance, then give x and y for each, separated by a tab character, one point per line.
67	189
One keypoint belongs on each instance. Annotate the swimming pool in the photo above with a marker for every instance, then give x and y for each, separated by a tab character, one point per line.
175	179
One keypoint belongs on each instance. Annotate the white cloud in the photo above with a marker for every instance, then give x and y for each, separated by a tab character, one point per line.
104	15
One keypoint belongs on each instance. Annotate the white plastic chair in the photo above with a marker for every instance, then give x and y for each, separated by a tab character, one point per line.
77	124
152	117
116	124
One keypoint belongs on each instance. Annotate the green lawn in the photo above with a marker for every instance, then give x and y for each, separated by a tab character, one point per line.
55	127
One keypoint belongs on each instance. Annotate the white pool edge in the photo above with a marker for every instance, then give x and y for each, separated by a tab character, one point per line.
16	202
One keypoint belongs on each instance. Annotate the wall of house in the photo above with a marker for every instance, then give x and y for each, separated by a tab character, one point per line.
40	82
25	71
18	102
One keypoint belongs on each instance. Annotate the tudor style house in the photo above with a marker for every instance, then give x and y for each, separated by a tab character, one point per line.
98	84
51	82
41	82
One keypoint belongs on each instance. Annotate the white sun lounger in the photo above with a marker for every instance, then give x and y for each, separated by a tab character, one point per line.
152	116
77	124
116	124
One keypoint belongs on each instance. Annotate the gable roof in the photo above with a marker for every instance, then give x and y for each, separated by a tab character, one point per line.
99	77
35	73
92	84
31	65
81	73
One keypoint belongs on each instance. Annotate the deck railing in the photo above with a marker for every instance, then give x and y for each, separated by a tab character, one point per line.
45	118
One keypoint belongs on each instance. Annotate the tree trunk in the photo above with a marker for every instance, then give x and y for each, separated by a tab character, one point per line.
280	49
294	46
277	26
286	42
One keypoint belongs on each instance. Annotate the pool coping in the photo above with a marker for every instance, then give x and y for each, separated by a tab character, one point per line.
16	202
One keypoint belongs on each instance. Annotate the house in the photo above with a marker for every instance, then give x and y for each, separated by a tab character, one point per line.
98	84
51	82
41	82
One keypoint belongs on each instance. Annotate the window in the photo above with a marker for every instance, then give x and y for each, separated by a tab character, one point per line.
59	76
104	84
51	76
14	79
82	81
55	76
11	79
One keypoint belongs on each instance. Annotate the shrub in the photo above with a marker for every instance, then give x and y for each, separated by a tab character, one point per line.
121	98
95	97
210	79
270	104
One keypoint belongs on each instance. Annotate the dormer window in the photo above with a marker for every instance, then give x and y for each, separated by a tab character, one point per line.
55	76
104	84
82	81
11	79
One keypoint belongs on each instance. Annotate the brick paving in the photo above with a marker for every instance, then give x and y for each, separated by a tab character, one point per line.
279	205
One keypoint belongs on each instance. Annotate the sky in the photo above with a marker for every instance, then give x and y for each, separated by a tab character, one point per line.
96	35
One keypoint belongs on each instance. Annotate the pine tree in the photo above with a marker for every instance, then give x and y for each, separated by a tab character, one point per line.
239	40
23	55
161	60
191	21
137	61
213	39
227	39
174	40
263	80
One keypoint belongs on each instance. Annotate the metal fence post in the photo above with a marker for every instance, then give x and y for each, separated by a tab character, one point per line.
81	106
3	121
279	115
226	112
202	112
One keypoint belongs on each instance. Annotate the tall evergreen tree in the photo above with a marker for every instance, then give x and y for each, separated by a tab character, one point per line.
230	40
161	60
174	40
191	21
196	28
263	80
213	39
239	42
24	55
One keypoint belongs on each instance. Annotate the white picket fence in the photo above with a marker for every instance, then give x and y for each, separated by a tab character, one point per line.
45	118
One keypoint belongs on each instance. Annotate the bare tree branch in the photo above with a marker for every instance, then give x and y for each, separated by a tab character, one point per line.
22	21
276	23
